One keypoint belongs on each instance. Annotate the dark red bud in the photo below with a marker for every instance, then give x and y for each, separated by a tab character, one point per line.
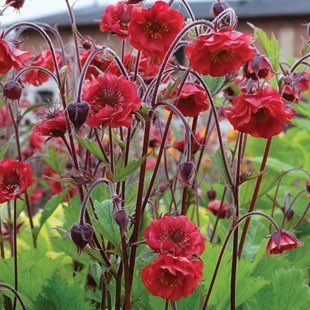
218	7
78	112
12	90
121	219
133	1
17	4
186	171
87	43
308	186
81	235
211	194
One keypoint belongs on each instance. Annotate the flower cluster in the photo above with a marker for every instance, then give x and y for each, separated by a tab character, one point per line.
177	271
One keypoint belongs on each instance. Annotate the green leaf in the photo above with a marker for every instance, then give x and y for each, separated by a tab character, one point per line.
122	172
49	209
59	294
4	149
55	160
105	224
271	47
218	165
92	147
214	83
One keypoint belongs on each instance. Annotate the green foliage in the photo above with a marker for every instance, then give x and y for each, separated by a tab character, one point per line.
92	147
5	147
214	83
55	160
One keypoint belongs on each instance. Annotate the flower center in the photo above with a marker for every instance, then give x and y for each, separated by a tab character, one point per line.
155	29
111	96
123	20
223	56
10	182
168	279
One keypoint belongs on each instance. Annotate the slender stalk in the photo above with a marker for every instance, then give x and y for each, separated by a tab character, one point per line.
302	217
15	252
1	240
127	304
294	67
17	296
255	195
229	234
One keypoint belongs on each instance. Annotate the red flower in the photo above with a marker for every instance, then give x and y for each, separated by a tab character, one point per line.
290	93
35	141
153	30
116	19
258	68
97	63
15	178
220	53
196	145
172	277
156	136
281	241
303	81
52	127
11	56
112	100
36	195
215	205
261	115
45	60
193	100
175	235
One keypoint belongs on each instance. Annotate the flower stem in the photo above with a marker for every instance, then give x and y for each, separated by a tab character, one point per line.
11	289
255	195
15	252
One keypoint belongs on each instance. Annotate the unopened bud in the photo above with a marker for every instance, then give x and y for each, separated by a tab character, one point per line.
12	90
17	4
78	112
121	219
133	1
186	171
288	213
87	43
219	7
211	194
81	235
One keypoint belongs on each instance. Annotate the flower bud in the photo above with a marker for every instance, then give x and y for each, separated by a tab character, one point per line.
78	112
218	7
281	241
211	194
87	43
133	1
17	4
121	219
288	213
186	171
12	90
81	235
258	68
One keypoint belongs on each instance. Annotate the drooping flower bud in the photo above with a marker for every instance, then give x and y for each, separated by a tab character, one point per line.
258	68
81	235
186	171
288	213
218	7
211	194
87	43
281	241
78	112
12	90
17	4
121	219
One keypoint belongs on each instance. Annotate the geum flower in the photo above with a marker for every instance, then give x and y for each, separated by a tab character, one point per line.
193	100
175	235
11	56
197	141
172	277
220	53
262	114
44	60
153	30
116	19
112	101
15	178
258	68
218	209
281	241
53	126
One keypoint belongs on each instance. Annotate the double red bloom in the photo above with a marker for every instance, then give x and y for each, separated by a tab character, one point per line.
44	60
220	53
193	100
262	114
153	30
177	271
116	18
172	277
11	56
176	236
112	100
15	178
281	241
